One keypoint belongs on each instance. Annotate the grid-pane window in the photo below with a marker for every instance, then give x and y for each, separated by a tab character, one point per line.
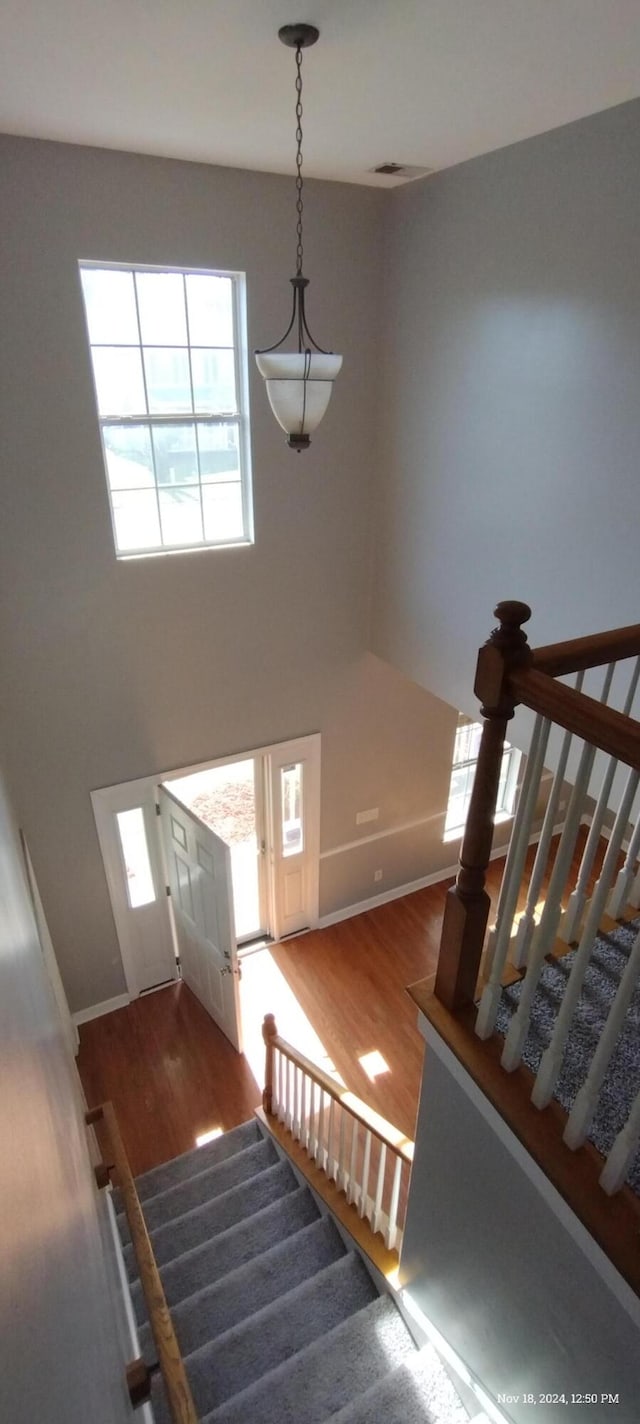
463	770
169	368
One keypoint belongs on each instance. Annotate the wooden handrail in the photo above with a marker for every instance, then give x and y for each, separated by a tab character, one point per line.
372	1121
578	654
176	1384
597	724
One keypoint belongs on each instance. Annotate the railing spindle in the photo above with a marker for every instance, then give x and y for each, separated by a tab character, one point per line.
331	1165
282	1111
510	888
341	1177
392	1228
353	1165
579	1119
364	1187
616	1167
624	892
377	1205
312	1145
320	1141
303	1110
551	1061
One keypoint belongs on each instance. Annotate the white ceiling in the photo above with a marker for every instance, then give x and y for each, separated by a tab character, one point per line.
422	82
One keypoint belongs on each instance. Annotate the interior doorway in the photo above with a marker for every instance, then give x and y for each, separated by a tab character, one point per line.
201	860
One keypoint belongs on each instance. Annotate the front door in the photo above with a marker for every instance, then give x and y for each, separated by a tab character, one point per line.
199	872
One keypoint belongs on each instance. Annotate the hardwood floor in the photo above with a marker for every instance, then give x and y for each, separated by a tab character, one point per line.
172	1075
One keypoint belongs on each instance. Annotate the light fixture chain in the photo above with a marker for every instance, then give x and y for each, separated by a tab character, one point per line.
299	201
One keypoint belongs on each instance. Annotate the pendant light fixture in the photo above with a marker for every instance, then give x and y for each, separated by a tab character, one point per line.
298	382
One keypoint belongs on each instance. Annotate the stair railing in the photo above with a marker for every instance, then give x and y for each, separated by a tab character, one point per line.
509	673
368	1159
178	1392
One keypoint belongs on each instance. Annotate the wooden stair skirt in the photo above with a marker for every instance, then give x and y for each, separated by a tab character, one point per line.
345	1213
613	1221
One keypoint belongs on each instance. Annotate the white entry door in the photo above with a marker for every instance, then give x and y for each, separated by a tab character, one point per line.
199	871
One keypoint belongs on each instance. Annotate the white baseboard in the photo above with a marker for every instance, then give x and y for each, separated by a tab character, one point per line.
97	1010
387	895
448	873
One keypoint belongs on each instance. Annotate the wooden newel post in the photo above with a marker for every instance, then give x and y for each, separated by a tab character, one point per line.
269	1033
467	903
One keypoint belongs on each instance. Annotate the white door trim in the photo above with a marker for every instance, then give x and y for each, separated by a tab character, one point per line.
108	800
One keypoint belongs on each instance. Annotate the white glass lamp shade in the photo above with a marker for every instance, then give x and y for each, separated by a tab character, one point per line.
299	388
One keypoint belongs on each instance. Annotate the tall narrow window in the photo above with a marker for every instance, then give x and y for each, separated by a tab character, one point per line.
463	770
291	791
135	853
169	366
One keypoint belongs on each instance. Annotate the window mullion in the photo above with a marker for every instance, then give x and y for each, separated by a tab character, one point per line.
148	417
193	402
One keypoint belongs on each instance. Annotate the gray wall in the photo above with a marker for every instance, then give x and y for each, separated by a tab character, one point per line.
513	374
493	1268
60	1352
113	671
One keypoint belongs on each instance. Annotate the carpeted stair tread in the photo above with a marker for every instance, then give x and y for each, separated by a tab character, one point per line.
197	1160
232	1248
216	1308
213	1217
202	1187
320	1379
417	1392
255	1346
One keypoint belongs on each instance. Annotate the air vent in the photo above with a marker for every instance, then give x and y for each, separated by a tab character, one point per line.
400	172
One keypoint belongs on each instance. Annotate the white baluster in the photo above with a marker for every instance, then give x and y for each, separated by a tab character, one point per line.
579	1119
320	1142
341	1177
544	935
569	928
392	1228
304	1126
365	1174
281	1088
312	1145
616	1167
295	1126
331	1165
528	922
623	893
512	878
551	1061
377	1205
353	1166
291	1079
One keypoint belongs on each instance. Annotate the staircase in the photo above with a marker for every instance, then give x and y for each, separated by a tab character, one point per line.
277	1320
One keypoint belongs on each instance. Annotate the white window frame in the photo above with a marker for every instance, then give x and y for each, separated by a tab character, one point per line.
509	770
239	417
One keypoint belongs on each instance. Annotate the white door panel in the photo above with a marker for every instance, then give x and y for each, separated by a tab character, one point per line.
199	872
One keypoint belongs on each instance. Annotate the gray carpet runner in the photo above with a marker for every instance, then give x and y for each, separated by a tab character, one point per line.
278	1321
622	1080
